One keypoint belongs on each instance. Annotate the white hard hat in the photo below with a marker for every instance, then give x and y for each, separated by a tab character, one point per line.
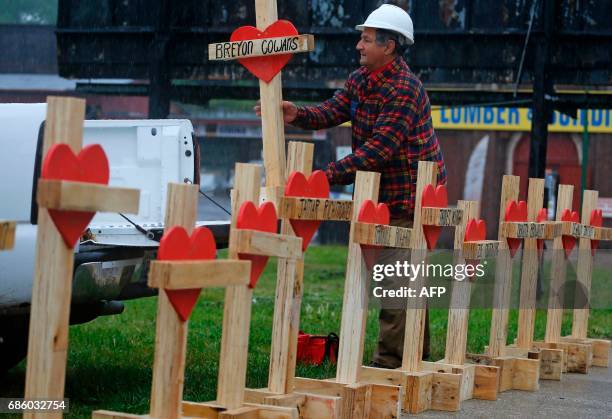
392	18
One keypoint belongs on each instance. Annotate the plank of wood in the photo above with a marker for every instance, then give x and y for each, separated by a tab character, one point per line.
262	47
208	410
558	272
523	230
382	235
288	296
601	352
262	243
64	123
446	392
315	209
81	196
107	414
481	249
486	382
526	374
385	401
443	217
529	270
418	392
356	401
584	271
271	95
415	317
189	274
459	311
355	300
171	331
603	233
551	364
7	234
52	287
578	230
503	273
237	307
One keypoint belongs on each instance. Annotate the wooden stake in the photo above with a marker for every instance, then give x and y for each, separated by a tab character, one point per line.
459	312
288	299
415	317
52	288
529	271
558	271
355	301
503	274
237	307
271	94
171	331
580	322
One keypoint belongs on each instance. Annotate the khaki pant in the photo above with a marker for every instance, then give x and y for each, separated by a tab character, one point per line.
390	348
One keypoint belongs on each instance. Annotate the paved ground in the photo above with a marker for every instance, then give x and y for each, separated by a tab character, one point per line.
575	396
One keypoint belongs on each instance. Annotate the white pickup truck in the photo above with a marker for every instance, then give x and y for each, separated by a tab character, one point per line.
112	257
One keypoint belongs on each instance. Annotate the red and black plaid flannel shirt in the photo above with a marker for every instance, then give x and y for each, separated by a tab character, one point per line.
391	129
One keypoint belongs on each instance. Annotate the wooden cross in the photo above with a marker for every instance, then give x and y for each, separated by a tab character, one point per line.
515	372
283	387
237	311
580	316
453	383
52	288
482	381
7	234
551	359
234	274
171	330
575	355
271	95
579	353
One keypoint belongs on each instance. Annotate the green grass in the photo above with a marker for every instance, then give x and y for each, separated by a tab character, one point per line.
110	359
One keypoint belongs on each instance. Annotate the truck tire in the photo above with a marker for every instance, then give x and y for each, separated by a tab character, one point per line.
14	332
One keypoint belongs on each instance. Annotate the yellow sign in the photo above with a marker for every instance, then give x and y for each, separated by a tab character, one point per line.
516	119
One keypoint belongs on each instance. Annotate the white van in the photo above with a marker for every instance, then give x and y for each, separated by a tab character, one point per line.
112	257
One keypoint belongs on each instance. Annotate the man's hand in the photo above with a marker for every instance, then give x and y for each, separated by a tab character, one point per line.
289	110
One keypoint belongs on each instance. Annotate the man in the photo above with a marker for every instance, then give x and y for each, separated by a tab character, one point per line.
391	131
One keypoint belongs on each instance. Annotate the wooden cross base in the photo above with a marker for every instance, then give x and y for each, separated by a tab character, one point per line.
515	373
552	357
438	386
329	399
577	357
601	349
7	235
212	410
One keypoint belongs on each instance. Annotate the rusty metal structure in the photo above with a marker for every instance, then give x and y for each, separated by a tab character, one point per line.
545	54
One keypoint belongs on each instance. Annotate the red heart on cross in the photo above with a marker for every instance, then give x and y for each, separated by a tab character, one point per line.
516	212
569	241
176	244
90	165
371	213
596	221
265	68
261	219
437	198
475	230
316	186
542	216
